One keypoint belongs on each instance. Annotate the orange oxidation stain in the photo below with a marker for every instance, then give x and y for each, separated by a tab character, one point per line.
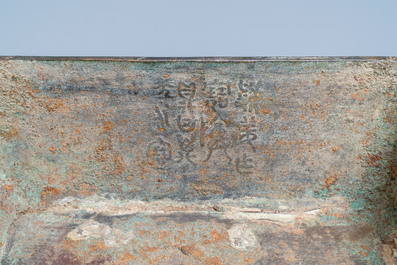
365	247
178	238
10	134
357	96
126	257
52	105
394	172
8	187
144	232
162	235
318	82
283	128
145	251
216	236
108	126
52	149
69	244
100	246
269	153
331	180
87	189
364	254
373	160
335	149
213	261
49	193
281	142
193	251
264	111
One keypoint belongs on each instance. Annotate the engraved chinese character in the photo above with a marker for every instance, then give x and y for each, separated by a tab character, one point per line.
247	132
218	98
218	140
244	165
186	123
245	90
218	95
187	90
186	145
161	123
203	131
166	88
241	100
159	152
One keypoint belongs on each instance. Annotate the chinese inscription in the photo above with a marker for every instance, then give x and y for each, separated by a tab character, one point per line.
205	122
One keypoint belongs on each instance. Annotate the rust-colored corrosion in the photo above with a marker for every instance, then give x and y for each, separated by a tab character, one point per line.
198	160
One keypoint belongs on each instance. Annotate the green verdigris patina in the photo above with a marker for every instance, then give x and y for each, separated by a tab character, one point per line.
198	160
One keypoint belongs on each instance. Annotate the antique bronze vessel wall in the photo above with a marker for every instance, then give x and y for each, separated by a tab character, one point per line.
198	160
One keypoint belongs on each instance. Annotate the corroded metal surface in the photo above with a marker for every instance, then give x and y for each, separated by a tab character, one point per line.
198	161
